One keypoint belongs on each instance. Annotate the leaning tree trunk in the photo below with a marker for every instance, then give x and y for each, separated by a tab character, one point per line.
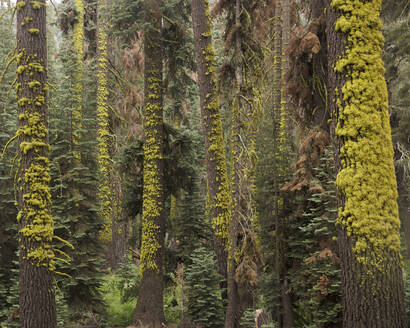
149	311
219	199
369	240
36	228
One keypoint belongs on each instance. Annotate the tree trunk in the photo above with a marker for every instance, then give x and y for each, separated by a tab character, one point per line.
36	227
219	199
149	311
78	41
233	310
103	115
369	240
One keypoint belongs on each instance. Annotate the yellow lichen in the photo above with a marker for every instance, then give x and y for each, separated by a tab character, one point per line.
152	194
103	132
78	38
220	201
366	179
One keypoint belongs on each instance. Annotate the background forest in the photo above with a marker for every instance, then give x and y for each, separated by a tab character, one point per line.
247	225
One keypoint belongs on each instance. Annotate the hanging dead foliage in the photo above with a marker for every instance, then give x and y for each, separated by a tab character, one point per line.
310	152
301	78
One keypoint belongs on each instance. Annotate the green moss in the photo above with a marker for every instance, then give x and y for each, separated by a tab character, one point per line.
219	205
367	178
152	194
78	40
103	132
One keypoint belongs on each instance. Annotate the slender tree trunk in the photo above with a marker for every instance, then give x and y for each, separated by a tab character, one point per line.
219	199
149	311
369	240
233	310
103	116
77	117
36	228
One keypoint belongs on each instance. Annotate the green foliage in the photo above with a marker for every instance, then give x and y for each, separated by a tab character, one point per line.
204	296
248	319
8	213
120	290
73	185
316	279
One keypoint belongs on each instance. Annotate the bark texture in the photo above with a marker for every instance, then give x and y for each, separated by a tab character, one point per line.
149	311
37	300
372	284
219	199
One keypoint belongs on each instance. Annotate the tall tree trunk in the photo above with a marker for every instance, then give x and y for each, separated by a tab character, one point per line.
77	117
278	120
36	227
219	199
104	136
149	311
233	310
369	240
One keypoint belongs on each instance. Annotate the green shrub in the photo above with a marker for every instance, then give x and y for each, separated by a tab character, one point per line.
120	292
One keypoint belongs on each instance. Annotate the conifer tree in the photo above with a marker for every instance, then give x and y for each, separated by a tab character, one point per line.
73	174
218	197
37	300
369	239
149	310
78	41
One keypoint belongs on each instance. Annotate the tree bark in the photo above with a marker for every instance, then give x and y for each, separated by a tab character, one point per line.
369	241
219	199
149	311
36	228
233	310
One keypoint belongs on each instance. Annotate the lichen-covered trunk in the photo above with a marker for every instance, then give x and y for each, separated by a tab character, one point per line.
369	240
77	112
219	199
233	309
149	311
36	228
103	116
279	119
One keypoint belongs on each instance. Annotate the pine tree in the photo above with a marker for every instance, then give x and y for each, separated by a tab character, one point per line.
369	239
149	309
73	175
204	296
218	196
37	300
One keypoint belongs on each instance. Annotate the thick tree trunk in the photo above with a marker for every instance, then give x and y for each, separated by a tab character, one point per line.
37	301
369	241
149	311
219	199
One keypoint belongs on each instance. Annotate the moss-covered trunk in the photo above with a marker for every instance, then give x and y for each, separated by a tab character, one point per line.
36	228
149	310
77	111
219	199
369	239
